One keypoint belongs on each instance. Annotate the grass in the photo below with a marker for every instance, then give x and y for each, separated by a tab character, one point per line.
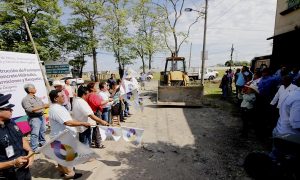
212	87
156	76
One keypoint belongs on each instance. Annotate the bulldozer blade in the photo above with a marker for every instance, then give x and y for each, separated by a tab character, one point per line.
180	95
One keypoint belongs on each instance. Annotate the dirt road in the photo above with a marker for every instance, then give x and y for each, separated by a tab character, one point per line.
178	143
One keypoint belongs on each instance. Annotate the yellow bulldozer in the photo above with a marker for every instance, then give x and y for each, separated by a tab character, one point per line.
174	87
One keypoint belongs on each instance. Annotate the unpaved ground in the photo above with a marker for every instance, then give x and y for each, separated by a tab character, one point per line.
178	143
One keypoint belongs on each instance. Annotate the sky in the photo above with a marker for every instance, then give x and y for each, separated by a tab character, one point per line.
244	23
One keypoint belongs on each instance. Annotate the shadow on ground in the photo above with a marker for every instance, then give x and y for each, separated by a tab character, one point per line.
43	168
218	151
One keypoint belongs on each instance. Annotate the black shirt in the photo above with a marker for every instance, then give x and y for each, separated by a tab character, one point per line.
10	134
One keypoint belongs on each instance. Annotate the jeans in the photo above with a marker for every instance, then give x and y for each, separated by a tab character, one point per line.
38	129
105	115
126	110
85	137
224	91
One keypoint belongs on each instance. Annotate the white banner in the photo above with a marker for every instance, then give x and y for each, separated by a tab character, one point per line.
67	151
134	99
128	86
133	135
16	70
110	133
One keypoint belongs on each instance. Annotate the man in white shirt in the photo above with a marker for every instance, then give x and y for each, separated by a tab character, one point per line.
60	119
108	101
289	111
283	91
60	87
82	112
289	120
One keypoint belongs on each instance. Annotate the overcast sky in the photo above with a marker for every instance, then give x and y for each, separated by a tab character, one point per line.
245	23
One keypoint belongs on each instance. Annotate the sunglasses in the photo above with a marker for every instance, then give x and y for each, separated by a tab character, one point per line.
6	109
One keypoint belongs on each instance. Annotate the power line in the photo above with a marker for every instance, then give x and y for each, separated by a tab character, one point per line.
228	10
234	29
218	4
196	6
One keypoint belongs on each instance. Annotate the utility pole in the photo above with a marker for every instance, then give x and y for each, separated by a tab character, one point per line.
190	55
232	49
204	44
204	40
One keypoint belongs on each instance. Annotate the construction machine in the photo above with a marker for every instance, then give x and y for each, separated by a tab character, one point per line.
174	87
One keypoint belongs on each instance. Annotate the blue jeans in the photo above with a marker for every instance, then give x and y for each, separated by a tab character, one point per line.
85	137
105	115
37	134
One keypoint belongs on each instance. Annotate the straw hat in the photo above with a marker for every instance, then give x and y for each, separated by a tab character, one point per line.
57	83
253	86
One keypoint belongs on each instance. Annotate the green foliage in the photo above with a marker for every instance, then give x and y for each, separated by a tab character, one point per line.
147	39
237	63
83	28
43	20
116	35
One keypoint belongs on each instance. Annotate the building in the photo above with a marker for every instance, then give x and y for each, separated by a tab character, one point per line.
286	39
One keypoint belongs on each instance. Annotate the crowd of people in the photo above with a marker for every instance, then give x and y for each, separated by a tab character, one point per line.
262	98
79	110
270	107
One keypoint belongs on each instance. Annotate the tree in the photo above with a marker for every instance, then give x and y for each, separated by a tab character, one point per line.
237	63
86	16
116	36
74	43
78	63
229	63
147	39
43	20
170	12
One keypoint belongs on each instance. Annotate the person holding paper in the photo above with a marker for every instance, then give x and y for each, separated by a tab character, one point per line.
15	152
60	120
82	112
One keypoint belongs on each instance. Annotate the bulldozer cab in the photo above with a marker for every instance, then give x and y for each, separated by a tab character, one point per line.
173	86
174	72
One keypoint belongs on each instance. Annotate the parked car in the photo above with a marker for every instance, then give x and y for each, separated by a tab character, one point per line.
195	74
73	81
149	77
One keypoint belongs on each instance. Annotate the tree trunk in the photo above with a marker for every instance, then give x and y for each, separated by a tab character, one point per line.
95	64
150	61
176	44
81	67
121	71
143	61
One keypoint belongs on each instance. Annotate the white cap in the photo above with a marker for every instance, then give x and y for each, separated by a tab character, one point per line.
57	83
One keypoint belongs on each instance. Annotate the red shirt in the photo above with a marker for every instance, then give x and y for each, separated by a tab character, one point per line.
94	101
